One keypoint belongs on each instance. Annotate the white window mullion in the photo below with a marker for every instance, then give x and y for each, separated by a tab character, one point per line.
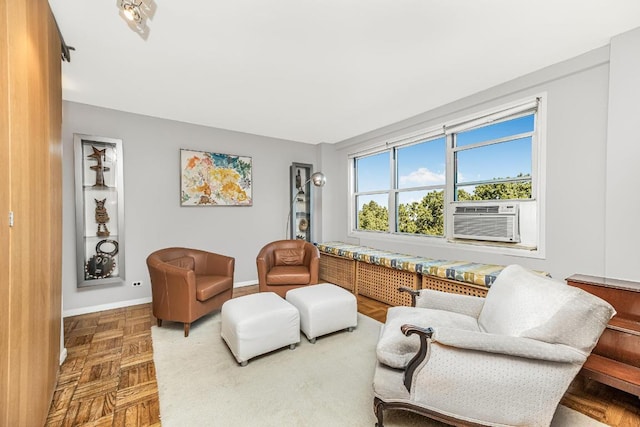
353	214
392	191
449	187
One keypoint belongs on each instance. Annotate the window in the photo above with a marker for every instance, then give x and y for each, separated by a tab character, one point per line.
372	192
408	187
419	193
494	162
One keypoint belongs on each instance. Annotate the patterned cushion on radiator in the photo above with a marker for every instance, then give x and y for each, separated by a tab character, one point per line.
461	271
464	271
340	249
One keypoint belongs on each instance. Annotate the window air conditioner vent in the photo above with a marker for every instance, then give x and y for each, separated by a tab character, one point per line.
478	209
494	223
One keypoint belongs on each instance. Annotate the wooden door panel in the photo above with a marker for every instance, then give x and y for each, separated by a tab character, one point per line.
31	152
4	211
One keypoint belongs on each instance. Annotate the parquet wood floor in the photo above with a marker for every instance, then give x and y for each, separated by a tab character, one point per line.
108	378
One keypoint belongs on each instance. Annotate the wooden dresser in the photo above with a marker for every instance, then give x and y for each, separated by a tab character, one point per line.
615	360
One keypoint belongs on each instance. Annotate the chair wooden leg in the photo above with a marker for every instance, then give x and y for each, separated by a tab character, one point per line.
186	329
378	408
159	323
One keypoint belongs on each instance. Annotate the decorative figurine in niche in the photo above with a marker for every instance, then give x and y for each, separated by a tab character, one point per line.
299	182
102	217
103	263
100	168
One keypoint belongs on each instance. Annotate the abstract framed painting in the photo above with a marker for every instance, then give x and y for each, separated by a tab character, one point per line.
214	179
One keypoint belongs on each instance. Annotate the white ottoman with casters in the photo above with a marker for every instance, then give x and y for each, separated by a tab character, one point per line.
257	324
324	308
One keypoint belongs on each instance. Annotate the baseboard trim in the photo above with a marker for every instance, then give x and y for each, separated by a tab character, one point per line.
63	355
120	304
103	307
246	283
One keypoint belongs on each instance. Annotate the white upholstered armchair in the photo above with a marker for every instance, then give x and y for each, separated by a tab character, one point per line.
506	359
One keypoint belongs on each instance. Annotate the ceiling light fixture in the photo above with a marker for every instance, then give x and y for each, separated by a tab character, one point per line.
136	13
131	12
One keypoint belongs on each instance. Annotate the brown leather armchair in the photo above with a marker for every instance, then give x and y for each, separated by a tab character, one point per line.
186	283
287	264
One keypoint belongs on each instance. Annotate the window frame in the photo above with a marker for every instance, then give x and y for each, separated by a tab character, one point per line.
535	104
487	143
395	192
356	194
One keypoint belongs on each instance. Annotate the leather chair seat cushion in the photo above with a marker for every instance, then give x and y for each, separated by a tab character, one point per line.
289	275
186	262
288	257
210	286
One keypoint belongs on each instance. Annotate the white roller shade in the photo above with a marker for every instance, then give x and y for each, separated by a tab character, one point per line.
480	121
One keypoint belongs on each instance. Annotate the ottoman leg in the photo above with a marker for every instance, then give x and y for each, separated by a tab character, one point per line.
244	363
350	329
312	340
292	346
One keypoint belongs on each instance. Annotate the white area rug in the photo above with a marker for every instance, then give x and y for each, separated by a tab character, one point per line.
322	384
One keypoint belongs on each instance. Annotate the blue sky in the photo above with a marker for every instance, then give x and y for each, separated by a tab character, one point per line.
424	164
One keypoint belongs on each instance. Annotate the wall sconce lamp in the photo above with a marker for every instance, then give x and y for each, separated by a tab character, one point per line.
135	13
318	179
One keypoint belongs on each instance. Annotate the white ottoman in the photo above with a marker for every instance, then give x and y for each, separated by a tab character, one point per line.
324	308
258	323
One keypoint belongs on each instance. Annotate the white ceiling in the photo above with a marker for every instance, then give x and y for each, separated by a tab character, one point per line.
319	71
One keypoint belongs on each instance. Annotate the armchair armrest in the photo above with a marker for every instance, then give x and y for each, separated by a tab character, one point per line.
488	343
174	281
265	256
508	345
424	334
456	303
414	294
314	262
220	265
264	263
438	300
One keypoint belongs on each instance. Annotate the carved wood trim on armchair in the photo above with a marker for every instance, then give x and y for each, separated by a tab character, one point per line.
424	335
414	294
380	405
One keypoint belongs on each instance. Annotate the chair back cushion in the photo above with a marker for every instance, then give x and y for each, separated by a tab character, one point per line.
293	256
522	303
289	275
186	262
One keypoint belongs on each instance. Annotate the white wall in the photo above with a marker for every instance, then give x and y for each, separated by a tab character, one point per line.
577	98
334	193
153	216
623	157
591	179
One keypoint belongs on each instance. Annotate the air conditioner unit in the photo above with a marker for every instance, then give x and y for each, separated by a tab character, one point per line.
494	223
